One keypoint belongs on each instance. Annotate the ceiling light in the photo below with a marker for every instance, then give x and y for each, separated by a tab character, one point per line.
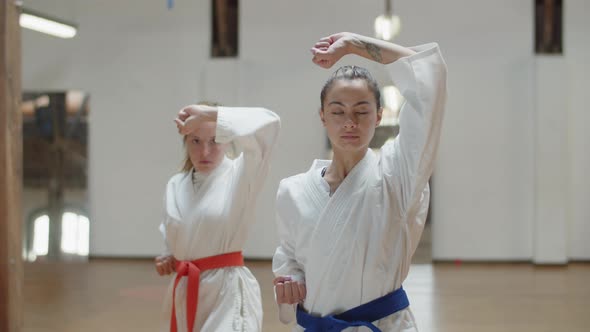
43	23
387	26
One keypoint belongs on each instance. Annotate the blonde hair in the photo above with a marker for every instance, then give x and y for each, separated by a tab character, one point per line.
188	164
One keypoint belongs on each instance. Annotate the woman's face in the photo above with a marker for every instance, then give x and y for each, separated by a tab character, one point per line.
203	152
350	115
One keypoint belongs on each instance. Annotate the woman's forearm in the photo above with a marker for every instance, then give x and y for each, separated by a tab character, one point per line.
377	50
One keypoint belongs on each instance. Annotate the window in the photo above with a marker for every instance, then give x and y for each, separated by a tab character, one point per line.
548	26
75	235
40	237
224	39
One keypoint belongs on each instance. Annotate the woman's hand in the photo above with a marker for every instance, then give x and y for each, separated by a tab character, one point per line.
190	116
289	291
328	50
165	264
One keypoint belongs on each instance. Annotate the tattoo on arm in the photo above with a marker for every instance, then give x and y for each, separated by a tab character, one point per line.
373	50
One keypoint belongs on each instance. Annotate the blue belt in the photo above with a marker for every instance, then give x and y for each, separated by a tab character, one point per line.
362	315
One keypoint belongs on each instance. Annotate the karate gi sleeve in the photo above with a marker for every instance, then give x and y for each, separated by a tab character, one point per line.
166	251
284	262
408	161
253	132
162	230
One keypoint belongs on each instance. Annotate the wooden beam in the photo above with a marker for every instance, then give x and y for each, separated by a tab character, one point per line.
11	265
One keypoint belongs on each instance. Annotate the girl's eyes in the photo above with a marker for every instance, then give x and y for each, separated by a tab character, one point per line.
198	141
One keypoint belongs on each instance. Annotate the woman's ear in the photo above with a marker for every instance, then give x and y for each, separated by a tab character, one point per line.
379	116
321	112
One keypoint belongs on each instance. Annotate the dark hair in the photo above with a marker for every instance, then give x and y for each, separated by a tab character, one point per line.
350	73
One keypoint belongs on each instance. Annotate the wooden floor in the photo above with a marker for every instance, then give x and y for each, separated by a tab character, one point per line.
125	295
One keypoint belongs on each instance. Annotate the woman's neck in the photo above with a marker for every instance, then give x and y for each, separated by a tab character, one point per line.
342	164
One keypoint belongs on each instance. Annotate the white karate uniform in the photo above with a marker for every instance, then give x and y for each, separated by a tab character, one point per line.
357	245
208	215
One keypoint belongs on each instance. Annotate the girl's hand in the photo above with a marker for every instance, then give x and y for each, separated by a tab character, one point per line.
165	264
190	116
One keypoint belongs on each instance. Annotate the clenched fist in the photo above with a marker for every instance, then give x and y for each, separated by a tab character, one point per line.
289	291
165	264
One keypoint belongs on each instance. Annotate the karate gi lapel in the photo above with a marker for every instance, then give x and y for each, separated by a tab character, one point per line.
187	196
334	218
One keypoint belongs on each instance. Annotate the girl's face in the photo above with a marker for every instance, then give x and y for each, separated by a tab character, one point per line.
203	152
350	115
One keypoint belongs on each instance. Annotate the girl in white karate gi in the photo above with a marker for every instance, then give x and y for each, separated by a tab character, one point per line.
349	226
209	208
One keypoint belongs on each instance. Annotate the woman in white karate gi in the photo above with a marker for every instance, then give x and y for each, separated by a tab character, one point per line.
209	208
349	226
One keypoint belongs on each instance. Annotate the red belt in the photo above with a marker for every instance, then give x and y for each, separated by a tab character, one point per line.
193	269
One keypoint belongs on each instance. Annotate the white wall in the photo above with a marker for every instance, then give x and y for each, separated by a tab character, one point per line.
135	61
141	62
511	180
483	184
550	127
577	53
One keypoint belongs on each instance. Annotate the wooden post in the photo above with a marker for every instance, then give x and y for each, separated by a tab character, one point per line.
11	265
